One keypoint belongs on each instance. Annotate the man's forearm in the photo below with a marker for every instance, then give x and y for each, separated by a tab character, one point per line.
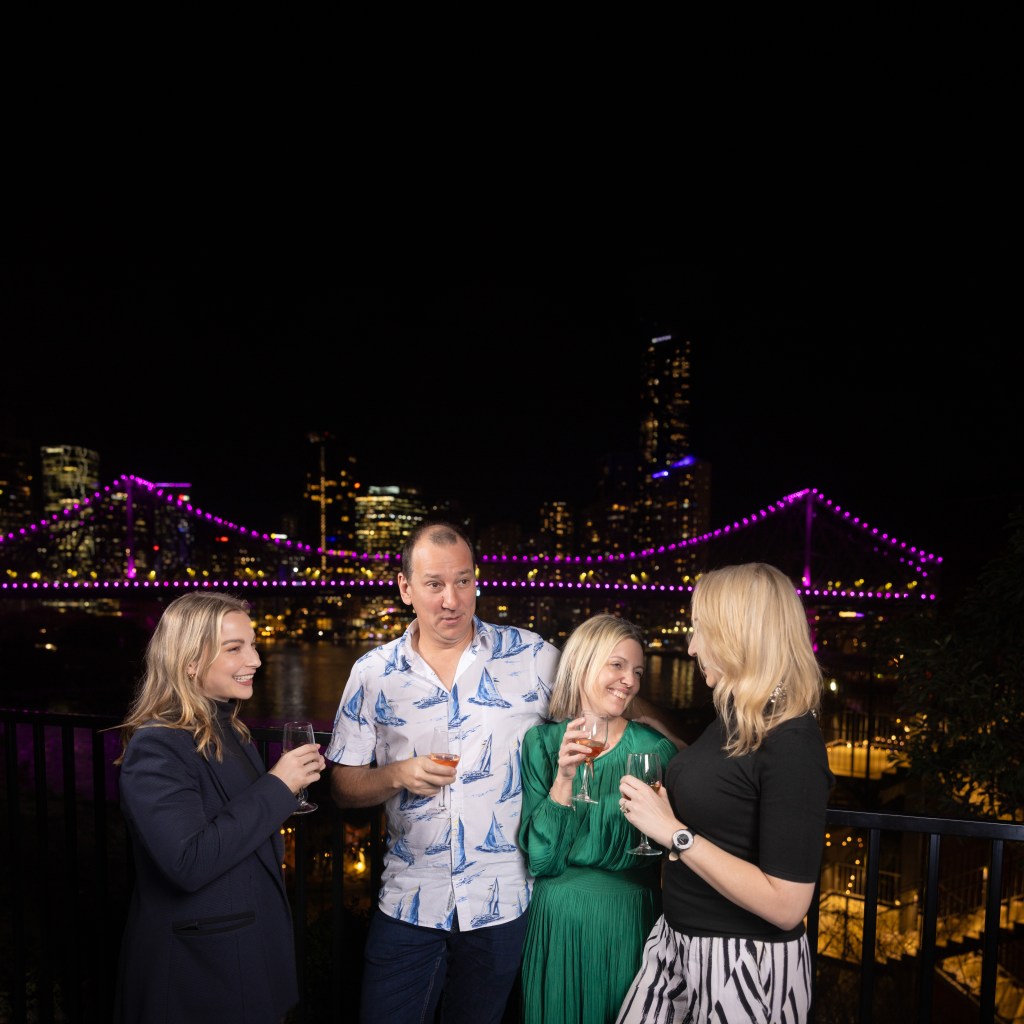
361	785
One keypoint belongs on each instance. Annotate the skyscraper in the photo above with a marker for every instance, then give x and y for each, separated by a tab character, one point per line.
70	474
17	482
673	502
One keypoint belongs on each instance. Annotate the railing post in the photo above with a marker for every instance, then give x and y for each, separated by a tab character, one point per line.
990	945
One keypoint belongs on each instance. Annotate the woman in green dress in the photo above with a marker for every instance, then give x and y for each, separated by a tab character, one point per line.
594	903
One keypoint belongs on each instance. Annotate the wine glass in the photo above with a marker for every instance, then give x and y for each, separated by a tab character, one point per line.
595	736
441	753
647	768
298	734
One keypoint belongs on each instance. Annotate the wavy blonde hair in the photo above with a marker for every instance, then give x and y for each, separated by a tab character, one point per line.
588	648
188	633
755	632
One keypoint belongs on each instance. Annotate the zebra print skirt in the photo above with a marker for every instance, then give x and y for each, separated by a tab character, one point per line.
691	980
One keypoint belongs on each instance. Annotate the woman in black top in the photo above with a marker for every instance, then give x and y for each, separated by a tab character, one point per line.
742	814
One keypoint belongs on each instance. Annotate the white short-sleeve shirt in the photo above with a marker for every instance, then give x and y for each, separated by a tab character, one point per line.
466	855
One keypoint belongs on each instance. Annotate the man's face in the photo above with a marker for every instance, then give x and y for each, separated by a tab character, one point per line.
441	590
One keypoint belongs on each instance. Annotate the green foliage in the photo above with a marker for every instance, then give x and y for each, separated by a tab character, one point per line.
962	689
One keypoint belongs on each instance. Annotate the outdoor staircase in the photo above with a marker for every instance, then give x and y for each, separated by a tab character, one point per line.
958	945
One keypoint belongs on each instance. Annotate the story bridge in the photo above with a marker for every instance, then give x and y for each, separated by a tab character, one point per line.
137	537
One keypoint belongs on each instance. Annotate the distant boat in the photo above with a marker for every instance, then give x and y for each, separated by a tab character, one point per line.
513	777
401	849
450	916
487	693
495	842
455	717
384	715
459	862
398	662
410	914
513	646
410	801
445	842
541	689
491	909
482	768
439	696
353	710
523	898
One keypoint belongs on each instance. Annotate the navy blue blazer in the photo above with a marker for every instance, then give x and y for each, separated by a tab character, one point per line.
209	931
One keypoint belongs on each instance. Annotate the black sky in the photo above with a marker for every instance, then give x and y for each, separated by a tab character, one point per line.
886	379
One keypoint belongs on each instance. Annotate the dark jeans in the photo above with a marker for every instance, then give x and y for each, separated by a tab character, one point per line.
408	969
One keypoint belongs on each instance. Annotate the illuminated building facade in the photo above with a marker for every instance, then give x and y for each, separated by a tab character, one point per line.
673	501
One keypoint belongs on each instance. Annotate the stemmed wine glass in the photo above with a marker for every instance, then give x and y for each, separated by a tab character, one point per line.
647	768
595	736
441	753
298	734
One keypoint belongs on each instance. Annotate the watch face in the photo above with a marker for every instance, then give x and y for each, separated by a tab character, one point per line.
683	839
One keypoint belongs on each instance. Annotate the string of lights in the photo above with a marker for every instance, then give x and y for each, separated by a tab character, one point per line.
911	557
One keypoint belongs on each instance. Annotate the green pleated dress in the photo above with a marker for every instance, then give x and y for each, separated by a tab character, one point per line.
593	902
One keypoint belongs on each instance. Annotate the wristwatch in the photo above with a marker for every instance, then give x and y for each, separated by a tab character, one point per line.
682	840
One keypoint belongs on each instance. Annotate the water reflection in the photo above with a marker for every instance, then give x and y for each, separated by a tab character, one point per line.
306	681
670	681
301	681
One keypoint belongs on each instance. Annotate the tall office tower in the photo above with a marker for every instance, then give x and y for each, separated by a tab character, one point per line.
673	500
556	537
16	480
384	519
69	475
329	510
606	526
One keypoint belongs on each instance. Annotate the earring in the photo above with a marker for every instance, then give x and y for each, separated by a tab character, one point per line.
191	675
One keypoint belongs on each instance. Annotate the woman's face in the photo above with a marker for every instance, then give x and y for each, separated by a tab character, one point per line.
698	649
618	680
230	675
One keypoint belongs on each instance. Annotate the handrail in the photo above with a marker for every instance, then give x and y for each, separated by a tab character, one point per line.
934	829
67	874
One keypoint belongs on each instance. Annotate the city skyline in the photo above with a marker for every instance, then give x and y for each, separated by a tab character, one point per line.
500	394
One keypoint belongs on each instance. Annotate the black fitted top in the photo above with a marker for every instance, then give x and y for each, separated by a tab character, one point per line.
767	807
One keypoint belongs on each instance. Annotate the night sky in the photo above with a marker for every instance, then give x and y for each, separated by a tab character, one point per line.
884	379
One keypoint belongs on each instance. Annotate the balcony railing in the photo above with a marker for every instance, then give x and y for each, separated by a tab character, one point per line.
917	919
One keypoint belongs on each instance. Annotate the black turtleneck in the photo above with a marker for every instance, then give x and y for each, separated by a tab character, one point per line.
232	741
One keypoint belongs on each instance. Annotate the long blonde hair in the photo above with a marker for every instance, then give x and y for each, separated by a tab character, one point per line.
588	648
755	632
188	634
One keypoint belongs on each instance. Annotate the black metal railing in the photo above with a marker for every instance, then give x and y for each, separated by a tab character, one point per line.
882	949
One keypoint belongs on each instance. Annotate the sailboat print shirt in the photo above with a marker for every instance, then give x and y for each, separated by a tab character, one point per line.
464	855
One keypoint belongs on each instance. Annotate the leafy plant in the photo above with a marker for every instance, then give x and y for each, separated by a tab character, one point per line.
962	692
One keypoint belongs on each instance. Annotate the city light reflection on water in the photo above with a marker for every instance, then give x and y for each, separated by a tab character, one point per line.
306	681
301	681
295	681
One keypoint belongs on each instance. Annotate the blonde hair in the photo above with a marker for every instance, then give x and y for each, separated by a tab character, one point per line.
588	648
188	634
755	633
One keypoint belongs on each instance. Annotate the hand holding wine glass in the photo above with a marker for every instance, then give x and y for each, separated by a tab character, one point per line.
647	768
298	734
441	753
595	737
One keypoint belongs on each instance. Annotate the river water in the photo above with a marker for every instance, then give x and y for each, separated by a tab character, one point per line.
306	681
295	681
303	681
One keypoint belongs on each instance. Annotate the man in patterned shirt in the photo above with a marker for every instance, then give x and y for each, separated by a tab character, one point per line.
454	891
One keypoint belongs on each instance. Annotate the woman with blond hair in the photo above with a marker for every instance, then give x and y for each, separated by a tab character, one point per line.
593	900
209	933
743	814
